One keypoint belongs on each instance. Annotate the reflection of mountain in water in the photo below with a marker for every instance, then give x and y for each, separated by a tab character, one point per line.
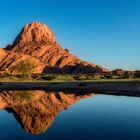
36	110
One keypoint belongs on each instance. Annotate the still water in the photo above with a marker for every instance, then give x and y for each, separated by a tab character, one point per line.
42	115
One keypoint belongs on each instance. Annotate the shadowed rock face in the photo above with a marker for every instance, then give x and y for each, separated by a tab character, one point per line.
36	41
36	110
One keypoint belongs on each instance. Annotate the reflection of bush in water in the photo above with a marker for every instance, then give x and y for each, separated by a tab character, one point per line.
23	96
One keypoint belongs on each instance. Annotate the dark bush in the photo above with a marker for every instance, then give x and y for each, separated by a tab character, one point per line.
87	77
108	76
77	78
21	76
48	77
126	76
137	74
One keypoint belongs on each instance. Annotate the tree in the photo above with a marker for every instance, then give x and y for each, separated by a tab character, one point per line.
137	74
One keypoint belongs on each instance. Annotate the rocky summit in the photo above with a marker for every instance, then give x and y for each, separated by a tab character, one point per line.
36	42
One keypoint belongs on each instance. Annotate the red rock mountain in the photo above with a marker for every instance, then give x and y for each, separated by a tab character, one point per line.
37	43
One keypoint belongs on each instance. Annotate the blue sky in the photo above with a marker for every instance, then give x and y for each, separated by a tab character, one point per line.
105	32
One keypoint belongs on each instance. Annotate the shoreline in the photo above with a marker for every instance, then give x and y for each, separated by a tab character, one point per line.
129	88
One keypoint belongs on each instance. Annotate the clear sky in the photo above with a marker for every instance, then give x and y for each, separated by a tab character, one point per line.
105	32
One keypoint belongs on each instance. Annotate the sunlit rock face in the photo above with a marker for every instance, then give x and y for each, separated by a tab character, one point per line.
34	33
36	41
3	53
36	110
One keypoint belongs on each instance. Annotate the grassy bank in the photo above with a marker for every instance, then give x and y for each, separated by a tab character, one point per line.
65	78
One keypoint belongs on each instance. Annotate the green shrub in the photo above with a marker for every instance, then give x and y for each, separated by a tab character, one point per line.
102	77
24	67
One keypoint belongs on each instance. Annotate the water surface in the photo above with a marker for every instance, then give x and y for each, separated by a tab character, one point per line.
41	115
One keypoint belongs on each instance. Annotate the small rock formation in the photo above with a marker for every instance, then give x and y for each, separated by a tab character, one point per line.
122	72
36	110
3	53
36	41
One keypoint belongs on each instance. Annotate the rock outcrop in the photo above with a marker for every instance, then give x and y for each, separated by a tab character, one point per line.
36	110
36	41
3	53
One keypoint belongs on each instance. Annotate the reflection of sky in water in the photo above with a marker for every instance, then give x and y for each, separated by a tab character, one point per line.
98	117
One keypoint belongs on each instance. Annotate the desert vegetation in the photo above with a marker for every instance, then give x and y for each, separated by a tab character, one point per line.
29	76
23	67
